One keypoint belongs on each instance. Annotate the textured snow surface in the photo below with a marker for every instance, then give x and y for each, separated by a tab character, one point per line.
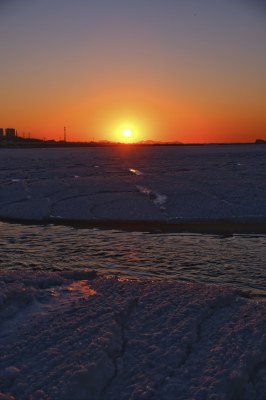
76	336
144	184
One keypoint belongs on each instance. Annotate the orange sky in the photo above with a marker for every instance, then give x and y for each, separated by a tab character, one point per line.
172	71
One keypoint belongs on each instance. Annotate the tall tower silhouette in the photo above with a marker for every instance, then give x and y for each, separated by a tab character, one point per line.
65	134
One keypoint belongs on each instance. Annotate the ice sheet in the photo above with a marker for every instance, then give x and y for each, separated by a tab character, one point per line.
76	336
164	184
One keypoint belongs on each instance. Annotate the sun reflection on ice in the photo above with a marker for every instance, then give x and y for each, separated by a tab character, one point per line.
81	288
135	171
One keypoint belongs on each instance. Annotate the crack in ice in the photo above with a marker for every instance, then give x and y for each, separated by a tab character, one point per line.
122	319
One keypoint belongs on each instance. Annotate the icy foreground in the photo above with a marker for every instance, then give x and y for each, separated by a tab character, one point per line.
76	336
137	184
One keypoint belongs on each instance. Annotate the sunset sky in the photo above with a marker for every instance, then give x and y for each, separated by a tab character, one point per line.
168	70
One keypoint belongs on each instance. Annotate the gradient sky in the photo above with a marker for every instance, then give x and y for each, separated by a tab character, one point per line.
174	70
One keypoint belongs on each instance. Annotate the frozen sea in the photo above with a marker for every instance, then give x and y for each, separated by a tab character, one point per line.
161	196
185	225
171	185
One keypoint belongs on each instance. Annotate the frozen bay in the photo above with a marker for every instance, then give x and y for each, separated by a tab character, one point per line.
144	184
139	186
189	322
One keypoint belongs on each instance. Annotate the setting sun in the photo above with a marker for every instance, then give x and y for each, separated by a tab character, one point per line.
127	133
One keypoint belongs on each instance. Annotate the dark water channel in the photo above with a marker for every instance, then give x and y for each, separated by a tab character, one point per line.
238	260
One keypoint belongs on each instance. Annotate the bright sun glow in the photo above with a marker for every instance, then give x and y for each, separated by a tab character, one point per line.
127	133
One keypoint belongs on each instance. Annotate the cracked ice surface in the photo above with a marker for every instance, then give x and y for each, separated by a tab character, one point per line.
54	184
138	183
74	335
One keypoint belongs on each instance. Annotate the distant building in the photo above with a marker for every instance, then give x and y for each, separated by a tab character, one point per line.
10	133
1	133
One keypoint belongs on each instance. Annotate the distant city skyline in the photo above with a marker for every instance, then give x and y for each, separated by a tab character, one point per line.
172	70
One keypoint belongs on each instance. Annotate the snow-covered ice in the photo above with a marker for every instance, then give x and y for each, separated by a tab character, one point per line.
164	184
74	335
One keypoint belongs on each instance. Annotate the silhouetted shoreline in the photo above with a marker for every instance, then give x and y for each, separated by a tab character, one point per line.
36	143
